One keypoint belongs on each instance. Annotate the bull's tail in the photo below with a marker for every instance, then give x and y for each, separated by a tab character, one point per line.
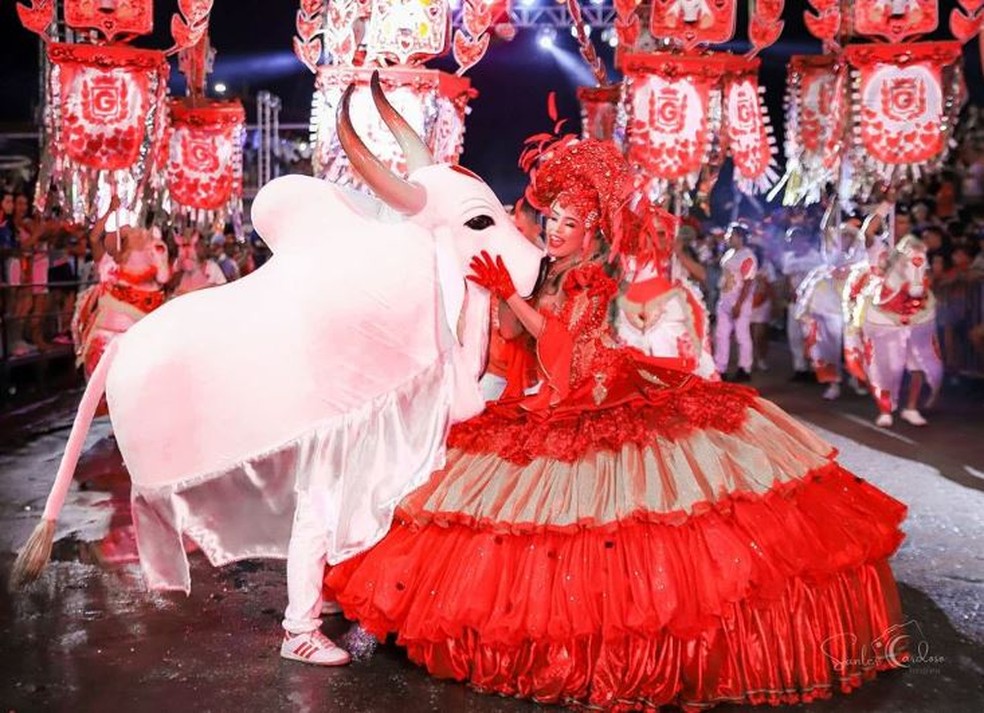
37	551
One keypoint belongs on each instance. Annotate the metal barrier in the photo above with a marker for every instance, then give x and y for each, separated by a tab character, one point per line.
34	331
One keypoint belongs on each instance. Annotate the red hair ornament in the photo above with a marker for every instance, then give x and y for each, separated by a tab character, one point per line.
592	178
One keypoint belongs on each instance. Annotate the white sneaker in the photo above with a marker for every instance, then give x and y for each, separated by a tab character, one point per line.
331	608
912	416
858	387
762	365
832	392
884	420
313	647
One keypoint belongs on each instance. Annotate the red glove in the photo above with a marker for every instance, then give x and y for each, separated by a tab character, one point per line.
493	276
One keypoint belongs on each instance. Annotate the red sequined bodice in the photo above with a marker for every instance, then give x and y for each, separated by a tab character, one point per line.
595	393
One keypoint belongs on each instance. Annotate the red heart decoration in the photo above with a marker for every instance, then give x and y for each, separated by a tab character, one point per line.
824	26
964	28
468	52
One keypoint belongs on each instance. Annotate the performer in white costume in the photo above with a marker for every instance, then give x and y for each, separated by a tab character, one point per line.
799	258
734	307
891	329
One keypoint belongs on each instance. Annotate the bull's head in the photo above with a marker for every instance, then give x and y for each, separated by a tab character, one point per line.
454	204
908	266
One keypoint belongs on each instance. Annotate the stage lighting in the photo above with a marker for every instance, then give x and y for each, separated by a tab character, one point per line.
220	88
587	31
546	38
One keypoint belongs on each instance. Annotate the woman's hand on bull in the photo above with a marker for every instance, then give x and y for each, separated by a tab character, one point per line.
492	275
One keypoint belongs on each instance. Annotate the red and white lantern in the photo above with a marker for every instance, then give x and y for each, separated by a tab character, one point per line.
906	98
204	162
678	108
816	115
105	117
748	133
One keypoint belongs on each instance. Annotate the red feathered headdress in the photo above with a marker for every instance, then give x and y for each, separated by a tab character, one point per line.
594	179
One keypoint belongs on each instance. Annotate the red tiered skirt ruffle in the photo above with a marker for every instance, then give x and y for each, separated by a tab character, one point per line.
775	596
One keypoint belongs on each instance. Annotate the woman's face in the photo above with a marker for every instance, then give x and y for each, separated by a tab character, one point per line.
21	205
565	232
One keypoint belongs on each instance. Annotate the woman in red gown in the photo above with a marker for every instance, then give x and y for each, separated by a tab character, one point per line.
632	535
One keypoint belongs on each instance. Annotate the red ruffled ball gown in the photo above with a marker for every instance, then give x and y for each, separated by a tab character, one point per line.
635	536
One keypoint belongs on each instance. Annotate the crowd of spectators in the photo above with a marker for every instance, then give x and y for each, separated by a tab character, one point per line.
45	262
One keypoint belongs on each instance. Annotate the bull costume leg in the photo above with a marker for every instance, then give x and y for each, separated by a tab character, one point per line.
306	558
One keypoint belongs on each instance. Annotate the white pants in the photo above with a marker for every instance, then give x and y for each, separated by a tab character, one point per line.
794	332
741	327
306	556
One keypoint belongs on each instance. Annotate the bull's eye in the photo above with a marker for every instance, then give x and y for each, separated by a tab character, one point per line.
480	222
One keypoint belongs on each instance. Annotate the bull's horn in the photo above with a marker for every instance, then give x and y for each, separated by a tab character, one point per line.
398	193
415	150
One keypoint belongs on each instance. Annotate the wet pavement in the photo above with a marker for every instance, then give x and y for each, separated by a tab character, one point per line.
89	637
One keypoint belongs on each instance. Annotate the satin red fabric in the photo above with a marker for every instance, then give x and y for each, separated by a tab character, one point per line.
774	599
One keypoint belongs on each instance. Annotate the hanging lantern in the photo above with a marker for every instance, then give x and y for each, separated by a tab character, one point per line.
686	109
693	22
112	18
105	113
895	20
748	133
205	161
105	117
816	110
906	101
680	111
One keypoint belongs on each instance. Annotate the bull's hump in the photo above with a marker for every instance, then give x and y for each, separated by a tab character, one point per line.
291	211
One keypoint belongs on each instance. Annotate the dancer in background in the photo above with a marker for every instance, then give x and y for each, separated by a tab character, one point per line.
761	317
133	268
734	306
798	259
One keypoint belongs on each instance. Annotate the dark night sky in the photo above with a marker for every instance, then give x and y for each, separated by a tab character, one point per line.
253	39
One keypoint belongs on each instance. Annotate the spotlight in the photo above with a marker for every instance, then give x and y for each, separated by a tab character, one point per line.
587	31
546	38
527	3
220	88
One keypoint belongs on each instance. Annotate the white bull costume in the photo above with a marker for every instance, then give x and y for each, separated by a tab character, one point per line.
361	343
891	329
